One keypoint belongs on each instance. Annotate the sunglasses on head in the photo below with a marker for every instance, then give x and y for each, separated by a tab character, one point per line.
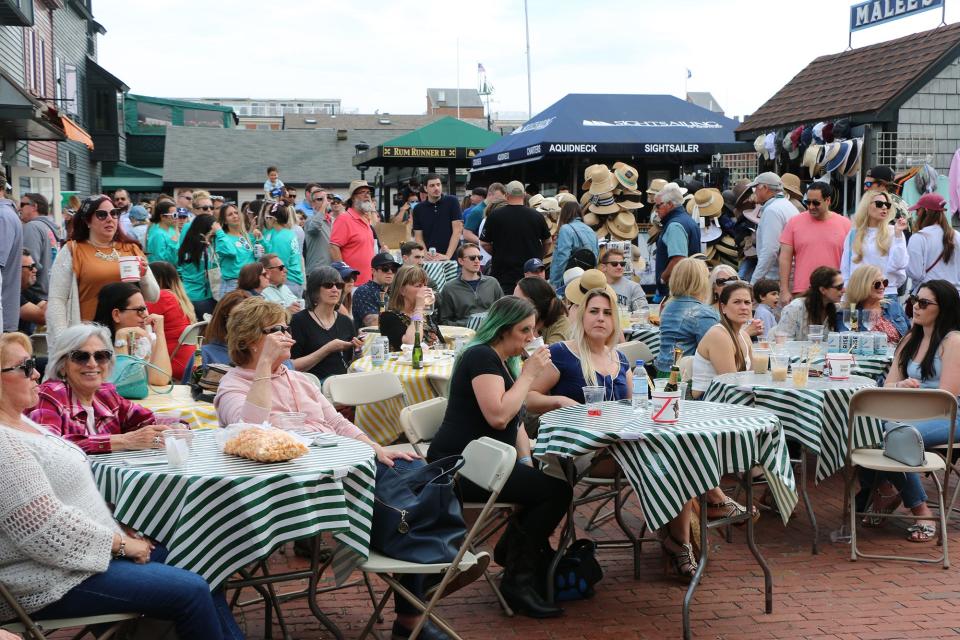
332	285
28	366
102	215
922	303
883	204
725	281
83	357
616	263
880	284
277	328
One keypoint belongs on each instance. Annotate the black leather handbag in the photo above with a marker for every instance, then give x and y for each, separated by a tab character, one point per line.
416	513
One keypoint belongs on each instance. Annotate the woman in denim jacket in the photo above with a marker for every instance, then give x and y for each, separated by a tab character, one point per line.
687	314
572	234
866	290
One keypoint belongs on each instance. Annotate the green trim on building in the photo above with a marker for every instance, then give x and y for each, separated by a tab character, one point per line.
146	115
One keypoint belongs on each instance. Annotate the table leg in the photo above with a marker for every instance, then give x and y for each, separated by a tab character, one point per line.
701	567
316	570
569	531
752	543
806	500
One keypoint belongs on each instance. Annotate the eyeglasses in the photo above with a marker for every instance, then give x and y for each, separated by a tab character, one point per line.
837	286
140	310
922	303
880	284
319	198
331	285
720	282
388	269
476	257
277	328
26	204
83	357
28	366
205	207
616	263
32	267
102	215
281	267
814	203
883	204
869	183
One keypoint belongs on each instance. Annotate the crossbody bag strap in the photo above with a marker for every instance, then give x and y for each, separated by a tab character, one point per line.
934	262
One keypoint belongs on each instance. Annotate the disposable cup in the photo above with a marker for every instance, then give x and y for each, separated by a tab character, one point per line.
592	397
177	444
665	407
130	269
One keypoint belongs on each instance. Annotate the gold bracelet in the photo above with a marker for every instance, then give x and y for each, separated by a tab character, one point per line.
262	378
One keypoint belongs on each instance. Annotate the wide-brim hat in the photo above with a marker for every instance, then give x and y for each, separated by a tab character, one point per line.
707	202
726	251
603	203
652	232
656	185
626	176
623	225
603	231
741	191
838	158
631	201
591	219
852	167
535	201
602	181
590	172
710	233
753	215
591	279
810	157
758	146
791	184
549	206
357	184
565	197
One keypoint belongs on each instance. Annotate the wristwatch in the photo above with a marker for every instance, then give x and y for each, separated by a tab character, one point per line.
122	551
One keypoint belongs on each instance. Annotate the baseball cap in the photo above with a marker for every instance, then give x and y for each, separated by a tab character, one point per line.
881	172
929	201
515	189
533	264
345	270
383	260
480	191
767	179
139	213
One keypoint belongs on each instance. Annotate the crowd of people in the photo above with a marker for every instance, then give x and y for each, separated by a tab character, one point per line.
288	287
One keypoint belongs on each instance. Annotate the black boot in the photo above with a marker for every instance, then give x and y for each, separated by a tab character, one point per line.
519	584
509	537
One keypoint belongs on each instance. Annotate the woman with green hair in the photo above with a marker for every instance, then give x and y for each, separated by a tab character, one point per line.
487	393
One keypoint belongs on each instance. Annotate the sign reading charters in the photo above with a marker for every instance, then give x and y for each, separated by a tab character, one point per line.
874	12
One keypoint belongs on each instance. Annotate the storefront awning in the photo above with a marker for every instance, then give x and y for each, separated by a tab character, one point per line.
120	175
76	133
22	117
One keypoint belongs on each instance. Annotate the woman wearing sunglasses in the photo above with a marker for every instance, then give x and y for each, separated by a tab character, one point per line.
88	262
133	329
874	241
325	339
866	291
933	247
78	404
926	358
163	236
817	305
64	554
280	239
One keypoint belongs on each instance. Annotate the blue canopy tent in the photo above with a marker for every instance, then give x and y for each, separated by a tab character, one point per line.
640	129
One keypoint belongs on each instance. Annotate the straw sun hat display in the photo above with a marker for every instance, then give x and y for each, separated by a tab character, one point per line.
578	288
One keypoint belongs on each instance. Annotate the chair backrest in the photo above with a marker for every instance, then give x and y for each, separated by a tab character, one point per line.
312	378
488	463
355	389
190	334
909	405
686	367
421	421
39	343
392	234
635	350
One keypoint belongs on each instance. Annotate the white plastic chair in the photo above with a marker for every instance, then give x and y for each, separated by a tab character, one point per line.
635	350
420	422
36	629
488	464
368	387
908	405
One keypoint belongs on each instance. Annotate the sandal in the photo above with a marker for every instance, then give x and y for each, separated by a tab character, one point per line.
880	503
730	508
678	557
921	532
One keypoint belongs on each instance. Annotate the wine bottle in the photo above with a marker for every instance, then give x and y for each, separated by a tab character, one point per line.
416	356
674	381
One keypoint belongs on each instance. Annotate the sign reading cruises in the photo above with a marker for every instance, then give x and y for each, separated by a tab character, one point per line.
874	12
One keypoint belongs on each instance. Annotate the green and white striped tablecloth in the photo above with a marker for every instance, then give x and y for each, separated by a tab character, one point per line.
867	366
649	335
667	465
220	512
441	271
815	416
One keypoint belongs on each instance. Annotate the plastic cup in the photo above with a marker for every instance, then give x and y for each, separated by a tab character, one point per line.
665	407
130	269
592	397
780	337
761	360
290	420
778	366
177	443
815	330
840	364
801	371
168	419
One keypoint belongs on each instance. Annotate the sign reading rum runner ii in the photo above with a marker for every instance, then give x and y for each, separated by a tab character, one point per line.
874	12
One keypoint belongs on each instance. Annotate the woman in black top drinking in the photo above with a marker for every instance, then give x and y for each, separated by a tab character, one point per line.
325	339
486	398
410	299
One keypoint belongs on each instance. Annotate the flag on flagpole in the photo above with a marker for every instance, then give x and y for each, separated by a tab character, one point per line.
689	74
480	68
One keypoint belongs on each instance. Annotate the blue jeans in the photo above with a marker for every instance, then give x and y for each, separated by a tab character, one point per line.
934	432
155	590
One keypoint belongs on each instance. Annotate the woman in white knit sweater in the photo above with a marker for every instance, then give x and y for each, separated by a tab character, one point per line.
62	554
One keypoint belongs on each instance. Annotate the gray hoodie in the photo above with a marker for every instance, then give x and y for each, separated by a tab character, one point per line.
458	301
42	238
11	252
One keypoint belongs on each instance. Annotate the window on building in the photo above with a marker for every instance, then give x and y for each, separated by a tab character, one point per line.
151	115
29	58
42	67
70	93
202	118
104	103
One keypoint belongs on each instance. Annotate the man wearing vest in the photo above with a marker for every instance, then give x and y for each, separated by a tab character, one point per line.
680	235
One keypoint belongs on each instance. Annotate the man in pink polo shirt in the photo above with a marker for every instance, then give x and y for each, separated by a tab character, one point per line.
811	239
351	240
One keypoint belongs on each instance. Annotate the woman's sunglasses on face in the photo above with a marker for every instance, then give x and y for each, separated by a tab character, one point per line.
83	357
102	215
922	303
277	328
883	204
881	284
331	285
28	366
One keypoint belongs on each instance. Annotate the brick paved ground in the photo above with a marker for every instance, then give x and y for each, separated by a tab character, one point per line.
824	596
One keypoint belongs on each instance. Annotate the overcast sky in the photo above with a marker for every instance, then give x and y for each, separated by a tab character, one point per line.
380	55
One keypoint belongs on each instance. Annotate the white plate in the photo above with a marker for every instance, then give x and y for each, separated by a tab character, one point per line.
428	360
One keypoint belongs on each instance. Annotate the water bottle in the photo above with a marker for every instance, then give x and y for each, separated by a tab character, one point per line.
641	389
258	251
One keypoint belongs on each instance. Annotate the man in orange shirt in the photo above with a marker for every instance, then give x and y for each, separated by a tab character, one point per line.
352	239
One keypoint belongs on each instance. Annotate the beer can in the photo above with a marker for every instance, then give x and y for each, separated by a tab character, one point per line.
833	342
879	343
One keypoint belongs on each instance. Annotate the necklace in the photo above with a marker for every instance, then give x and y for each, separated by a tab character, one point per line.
112	256
320	322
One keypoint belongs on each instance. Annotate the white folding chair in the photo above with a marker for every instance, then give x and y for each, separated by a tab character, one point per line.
36	629
420	422
635	350
899	405
368	387
488	464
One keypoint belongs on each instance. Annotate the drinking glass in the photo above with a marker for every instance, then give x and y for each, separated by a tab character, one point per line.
177	443
592	397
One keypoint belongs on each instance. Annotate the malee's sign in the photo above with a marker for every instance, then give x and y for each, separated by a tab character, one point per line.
874	12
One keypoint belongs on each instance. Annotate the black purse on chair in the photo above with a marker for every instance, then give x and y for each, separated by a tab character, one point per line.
416	513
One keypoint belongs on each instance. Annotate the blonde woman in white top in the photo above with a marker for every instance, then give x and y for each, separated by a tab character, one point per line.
873	240
62	555
725	348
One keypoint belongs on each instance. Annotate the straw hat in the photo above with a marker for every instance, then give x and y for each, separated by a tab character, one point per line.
591	219
571	274
357	184
603	231
753	215
602	181
839	158
535	201
791	184
603	203
707	202
655	186
549	206
829	155
578	288
565	197
810	158
623	225
626	176
852	167
631	201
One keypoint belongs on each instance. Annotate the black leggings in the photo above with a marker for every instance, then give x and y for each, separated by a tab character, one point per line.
544	501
